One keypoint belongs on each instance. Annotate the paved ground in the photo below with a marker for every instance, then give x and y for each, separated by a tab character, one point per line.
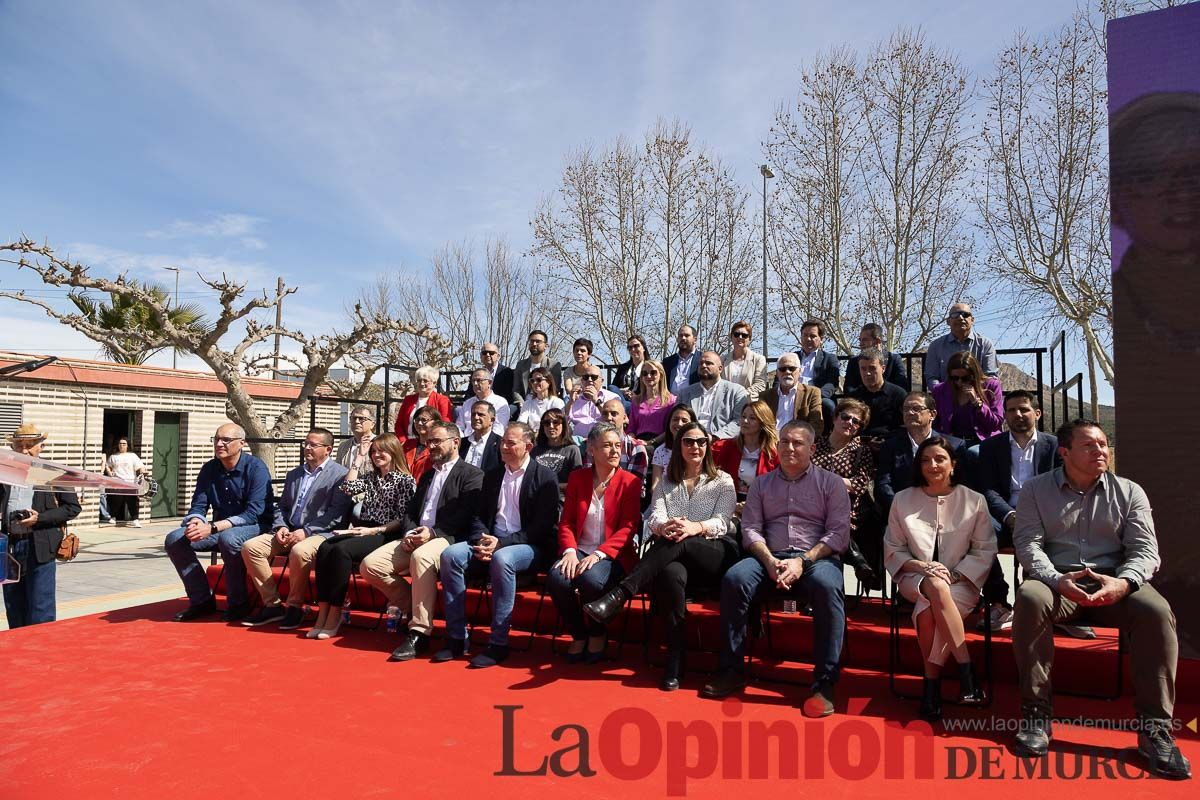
117	567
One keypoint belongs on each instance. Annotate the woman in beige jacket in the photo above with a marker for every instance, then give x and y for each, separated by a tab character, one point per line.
743	366
939	548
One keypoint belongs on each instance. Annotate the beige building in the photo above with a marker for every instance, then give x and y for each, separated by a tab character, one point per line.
168	416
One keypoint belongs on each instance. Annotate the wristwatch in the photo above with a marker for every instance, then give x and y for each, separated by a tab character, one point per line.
806	561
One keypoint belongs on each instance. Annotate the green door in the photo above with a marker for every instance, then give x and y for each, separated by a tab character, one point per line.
166	465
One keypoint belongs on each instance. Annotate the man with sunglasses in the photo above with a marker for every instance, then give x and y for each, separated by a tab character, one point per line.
790	399
587	399
236	486
502	376
352	452
962	336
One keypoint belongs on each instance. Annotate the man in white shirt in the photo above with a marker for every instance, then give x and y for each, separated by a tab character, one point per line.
587	398
789	399
718	403
897	454
439	515
482	448
481	385
681	367
514	531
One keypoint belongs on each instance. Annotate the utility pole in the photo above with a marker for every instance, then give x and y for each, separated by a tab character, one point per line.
174	350
766	173
278	325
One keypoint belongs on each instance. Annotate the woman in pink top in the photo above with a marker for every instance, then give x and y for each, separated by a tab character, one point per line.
652	404
969	405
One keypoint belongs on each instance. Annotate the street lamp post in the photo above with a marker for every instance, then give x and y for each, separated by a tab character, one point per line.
766	173
175	351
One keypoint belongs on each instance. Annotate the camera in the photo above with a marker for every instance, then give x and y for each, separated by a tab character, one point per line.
20	515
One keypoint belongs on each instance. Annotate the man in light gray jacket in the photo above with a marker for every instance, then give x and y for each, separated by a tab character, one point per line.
717	402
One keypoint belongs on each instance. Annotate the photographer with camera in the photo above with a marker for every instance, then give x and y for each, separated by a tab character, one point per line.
34	521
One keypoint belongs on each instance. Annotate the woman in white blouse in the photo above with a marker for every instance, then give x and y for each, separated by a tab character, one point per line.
693	542
743	366
543	396
939	547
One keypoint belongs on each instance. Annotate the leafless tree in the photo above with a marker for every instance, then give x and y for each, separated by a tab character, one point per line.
1045	203
217	346
642	239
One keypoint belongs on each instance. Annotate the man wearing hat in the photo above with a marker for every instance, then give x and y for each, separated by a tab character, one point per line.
34	540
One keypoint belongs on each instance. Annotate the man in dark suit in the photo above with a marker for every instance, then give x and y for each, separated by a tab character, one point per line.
896	456
34	540
502	376
872	335
886	400
311	507
818	367
482	448
439	515
538	342
514	531
1005	462
683	366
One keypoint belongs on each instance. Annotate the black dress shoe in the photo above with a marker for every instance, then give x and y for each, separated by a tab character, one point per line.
1033	737
673	672
1157	746
237	613
931	699
493	655
292	618
726	683
970	693
605	607
413	644
207	608
455	648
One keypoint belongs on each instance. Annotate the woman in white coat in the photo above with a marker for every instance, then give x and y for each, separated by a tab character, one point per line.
939	547
743	366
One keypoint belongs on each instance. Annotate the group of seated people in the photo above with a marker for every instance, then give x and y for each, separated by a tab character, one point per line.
737	503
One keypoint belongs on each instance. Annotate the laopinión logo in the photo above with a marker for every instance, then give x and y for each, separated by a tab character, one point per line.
731	748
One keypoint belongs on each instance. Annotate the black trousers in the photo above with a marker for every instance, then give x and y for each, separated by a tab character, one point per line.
671	566
337	558
123	507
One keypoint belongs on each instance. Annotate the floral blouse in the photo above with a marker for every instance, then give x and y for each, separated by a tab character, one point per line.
856	462
385	498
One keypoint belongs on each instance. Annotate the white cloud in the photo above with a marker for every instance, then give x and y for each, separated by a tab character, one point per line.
222	226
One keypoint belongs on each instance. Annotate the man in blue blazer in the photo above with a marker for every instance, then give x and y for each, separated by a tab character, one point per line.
683	366
514	532
896	456
1005	462
312	506
482	447
819	367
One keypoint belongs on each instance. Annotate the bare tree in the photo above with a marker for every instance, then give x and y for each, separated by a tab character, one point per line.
1045	201
916	251
645	239
216	345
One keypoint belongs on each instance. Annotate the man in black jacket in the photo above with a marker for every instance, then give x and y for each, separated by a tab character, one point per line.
514	531
896	456
439	515
1005	462
33	541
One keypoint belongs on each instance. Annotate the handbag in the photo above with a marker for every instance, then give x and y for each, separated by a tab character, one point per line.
68	548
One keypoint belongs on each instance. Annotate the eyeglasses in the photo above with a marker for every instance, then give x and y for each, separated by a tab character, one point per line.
740	335
961	314
914	409
437	442
481	380
553	423
589	377
699	441
226	440
361	419
961	378
537	379
787	369
489	352
853	420
314	445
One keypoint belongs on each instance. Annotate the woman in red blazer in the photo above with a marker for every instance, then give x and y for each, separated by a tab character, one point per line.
595	540
425	379
756	434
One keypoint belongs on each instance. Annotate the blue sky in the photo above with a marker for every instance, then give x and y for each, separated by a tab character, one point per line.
328	142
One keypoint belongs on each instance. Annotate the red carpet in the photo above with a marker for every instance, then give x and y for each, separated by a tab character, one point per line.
127	705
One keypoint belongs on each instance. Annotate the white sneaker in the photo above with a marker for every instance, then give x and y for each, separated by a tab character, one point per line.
1002	618
135	524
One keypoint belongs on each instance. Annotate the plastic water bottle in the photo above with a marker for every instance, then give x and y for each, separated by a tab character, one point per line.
346	611
393	619
3	558
789	605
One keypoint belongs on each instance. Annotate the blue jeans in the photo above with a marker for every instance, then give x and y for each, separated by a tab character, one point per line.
591	584
183	556
502	571
31	599
823	587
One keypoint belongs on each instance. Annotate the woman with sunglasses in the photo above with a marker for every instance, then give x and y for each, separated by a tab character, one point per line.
416	454
969	405
693	543
387	490
753	452
845	453
661	457
743	366
650	407
543	396
556	448
601	511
